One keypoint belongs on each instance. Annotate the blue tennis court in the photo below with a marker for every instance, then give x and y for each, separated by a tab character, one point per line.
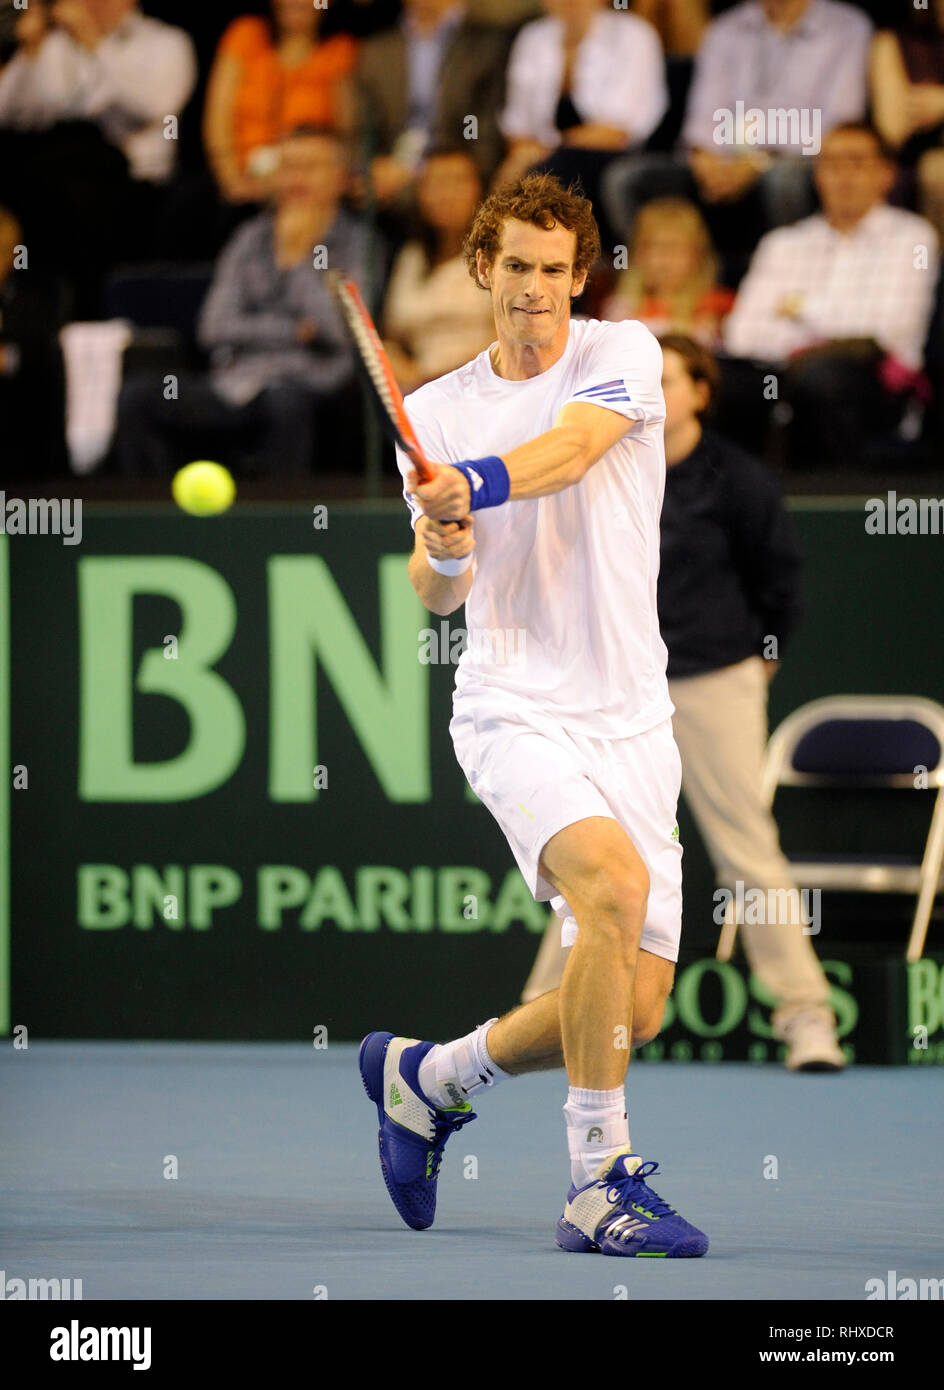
278	1192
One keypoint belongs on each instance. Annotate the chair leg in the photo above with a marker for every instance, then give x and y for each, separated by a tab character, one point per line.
930	881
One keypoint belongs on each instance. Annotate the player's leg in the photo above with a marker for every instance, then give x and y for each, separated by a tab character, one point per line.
528	1038
596	867
531	775
423	1091
594	864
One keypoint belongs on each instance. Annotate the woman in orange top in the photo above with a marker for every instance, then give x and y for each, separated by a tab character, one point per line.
268	77
671	281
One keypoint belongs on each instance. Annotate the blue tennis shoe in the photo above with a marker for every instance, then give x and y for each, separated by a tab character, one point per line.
413	1131
619	1214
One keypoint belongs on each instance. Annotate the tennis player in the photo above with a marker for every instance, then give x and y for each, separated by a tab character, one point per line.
550	457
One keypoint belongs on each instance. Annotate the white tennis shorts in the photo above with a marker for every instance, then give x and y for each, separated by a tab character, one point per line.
536	779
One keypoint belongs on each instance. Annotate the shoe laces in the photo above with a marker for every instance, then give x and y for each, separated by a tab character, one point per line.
444	1127
632	1191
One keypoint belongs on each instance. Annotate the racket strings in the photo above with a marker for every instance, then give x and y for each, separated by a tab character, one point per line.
373	358
367	344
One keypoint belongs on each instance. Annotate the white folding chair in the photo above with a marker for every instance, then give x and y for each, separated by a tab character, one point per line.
863	741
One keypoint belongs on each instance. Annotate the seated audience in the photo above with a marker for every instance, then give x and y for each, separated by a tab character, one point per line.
907	94
435	78
278	349
671	281
85	106
805	58
845	297
435	316
585	84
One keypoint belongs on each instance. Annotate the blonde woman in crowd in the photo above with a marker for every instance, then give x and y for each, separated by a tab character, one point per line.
671	281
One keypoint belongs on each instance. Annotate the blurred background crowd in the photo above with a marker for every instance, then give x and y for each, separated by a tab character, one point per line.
768	176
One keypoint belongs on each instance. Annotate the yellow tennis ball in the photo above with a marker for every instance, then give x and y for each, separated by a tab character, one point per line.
203	488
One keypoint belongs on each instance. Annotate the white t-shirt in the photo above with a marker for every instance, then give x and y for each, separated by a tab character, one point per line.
562	610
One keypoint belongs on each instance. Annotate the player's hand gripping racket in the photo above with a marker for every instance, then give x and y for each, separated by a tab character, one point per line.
378	372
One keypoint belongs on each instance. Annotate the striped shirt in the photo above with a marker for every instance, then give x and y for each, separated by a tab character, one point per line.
808	283
819	64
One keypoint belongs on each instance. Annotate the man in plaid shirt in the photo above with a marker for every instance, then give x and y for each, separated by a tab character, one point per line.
844	297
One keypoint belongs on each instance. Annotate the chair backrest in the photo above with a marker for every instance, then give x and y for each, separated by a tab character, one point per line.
857	740
159	295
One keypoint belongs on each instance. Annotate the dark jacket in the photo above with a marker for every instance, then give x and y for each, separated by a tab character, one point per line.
730	564
471	82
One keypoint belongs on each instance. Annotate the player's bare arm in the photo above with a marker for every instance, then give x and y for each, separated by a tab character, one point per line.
581	435
439	540
555	460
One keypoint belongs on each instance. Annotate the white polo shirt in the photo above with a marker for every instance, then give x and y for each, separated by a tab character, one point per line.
574	572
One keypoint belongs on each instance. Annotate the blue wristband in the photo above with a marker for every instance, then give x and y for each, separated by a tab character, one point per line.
488	481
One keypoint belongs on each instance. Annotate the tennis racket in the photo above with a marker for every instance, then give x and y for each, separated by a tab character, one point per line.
378	372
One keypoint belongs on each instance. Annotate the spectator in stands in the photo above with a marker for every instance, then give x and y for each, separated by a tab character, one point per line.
845	297
435	317
728	601
671	281
84	109
268	77
805	59
106	62
32	387
278	350
434	78
585	84
907	96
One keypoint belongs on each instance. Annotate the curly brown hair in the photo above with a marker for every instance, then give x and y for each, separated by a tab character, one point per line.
542	200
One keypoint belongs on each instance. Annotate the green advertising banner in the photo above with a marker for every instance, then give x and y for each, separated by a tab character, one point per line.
233	809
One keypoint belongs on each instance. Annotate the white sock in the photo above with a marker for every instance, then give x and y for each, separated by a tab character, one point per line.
597	1127
452	1072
